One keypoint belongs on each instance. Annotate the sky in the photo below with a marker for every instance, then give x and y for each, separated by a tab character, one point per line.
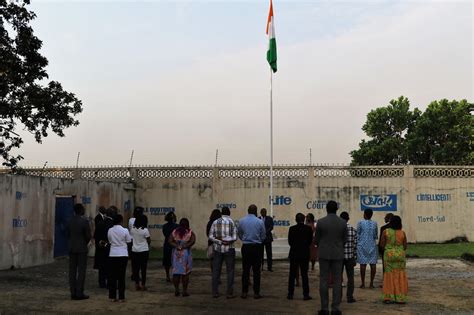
174	81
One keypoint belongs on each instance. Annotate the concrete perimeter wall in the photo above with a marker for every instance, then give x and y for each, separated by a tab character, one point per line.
436	203
27	213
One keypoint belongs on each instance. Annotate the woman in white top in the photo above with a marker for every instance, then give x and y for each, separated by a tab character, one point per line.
119	239
140	250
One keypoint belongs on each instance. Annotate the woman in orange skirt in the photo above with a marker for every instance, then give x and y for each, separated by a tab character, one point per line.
394	243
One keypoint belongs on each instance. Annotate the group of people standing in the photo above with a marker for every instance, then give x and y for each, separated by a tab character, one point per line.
114	244
340	246
331	241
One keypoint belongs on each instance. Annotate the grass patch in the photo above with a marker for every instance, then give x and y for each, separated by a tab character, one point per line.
440	250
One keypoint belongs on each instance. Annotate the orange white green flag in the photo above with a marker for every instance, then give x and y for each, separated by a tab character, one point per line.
272	48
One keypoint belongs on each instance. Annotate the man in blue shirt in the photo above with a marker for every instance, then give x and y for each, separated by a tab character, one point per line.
252	233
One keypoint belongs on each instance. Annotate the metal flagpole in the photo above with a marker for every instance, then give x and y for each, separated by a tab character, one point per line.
271	143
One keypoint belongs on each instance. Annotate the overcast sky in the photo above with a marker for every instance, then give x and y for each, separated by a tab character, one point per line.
175	80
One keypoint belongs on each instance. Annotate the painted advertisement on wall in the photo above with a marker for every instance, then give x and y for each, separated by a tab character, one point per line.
386	202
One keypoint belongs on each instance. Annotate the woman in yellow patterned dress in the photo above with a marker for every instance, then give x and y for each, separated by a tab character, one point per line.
395	283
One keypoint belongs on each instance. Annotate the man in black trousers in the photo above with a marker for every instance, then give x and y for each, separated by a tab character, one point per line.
331	234
79	237
102	225
300	237
267	243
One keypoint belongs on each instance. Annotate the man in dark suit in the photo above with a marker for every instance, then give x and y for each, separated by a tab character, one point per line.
79	237
300	237
267	244
331	234
102	225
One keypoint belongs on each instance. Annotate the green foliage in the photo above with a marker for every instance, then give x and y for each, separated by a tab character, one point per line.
27	100
443	134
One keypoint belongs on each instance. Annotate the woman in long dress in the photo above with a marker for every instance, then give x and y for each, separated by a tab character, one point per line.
311	222
367	252
182	239
394	242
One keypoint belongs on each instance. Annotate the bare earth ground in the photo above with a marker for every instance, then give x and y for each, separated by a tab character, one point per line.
436	286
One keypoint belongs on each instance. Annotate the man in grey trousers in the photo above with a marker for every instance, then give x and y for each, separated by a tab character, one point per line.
331	234
223	234
79	237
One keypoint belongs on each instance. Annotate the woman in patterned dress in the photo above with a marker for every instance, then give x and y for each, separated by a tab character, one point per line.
367	252
182	238
394	242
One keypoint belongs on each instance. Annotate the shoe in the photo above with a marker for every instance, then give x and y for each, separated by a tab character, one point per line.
351	300
176	293
82	297
307	298
271	270
230	296
289	297
323	312
336	313
215	296
144	288
121	300
185	294
343	285
73	297
244	295
138	287
257	296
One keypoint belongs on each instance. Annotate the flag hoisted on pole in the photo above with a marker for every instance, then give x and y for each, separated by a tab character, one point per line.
272	48
272	61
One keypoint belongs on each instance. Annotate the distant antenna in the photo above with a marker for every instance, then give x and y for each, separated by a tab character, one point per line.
77	161
217	155
131	159
310	157
44	166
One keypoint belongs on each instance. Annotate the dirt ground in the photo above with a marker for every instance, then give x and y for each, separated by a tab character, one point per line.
439	286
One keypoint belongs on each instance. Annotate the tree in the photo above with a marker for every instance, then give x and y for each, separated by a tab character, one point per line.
443	134
27	100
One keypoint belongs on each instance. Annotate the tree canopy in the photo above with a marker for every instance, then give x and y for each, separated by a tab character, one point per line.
27	100
442	134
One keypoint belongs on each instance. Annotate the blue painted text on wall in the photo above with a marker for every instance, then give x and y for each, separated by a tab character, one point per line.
433	197
379	202
281	223
160	210
431	219
19	222
228	205
280	200
470	195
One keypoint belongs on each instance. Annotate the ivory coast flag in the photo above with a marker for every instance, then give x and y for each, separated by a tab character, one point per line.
272	47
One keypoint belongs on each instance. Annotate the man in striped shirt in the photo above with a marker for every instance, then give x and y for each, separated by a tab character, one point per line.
350	253
223	234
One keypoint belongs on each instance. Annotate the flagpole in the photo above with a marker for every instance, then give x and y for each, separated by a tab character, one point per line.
271	142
